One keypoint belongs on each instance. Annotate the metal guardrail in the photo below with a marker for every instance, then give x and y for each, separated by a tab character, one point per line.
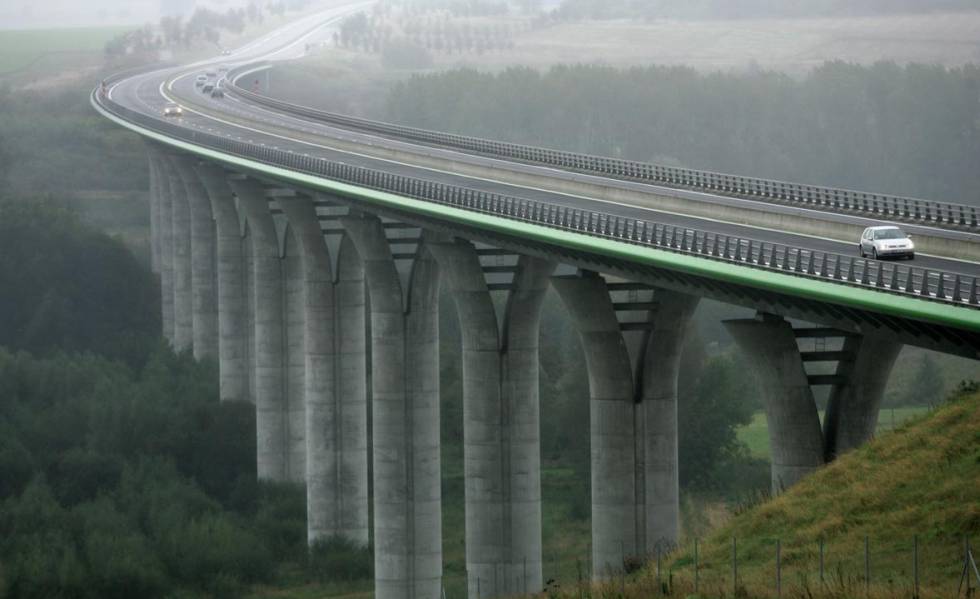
896	208
891	278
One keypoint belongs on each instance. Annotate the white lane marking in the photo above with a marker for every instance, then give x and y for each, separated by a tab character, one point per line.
557	193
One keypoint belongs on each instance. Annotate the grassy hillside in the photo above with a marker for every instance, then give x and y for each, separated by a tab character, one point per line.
23	48
921	480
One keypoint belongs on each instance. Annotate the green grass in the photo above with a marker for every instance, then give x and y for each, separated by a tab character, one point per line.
755	435
22	48
921	480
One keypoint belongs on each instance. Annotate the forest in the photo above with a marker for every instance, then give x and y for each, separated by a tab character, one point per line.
909	130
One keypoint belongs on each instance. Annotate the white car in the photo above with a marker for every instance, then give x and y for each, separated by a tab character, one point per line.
886	242
200	80
173	110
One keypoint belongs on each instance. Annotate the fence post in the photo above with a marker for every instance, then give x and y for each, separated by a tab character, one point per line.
779	570
867	567
696	567
734	566
525	575
821	560
915	566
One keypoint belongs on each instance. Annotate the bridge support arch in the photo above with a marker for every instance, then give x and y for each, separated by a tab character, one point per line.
632	336
336	381
279	445
501	416
403	297
233	322
799	444
204	304
183	306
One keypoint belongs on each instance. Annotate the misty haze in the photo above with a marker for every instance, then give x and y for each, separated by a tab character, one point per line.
468	299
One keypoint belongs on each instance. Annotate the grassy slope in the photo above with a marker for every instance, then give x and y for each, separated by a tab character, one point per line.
755	435
923	479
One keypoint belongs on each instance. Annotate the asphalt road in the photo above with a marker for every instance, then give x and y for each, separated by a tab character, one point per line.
241	120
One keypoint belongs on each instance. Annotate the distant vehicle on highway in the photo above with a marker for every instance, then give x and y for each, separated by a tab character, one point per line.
217	93
226	52
208	88
173	110
210	74
886	242
223	69
200	80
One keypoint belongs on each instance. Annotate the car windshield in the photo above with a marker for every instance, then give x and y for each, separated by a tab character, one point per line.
889	234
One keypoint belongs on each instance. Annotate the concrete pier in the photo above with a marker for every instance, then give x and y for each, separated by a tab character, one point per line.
204	300
233	365
612	436
155	193
336	382
166	244
658	486
795	438
271	409
182	285
501	421
405	414
852	411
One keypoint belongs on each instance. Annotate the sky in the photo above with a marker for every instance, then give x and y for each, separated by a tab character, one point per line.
38	14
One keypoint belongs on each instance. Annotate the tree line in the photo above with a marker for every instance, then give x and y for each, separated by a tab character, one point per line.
727	9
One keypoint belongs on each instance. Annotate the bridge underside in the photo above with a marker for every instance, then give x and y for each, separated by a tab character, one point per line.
297	273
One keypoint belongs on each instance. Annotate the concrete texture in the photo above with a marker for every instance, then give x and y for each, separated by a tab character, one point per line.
294	329
658	486
336	383
182	286
795	437
233	367
271	409
155	193
166	246
405	410
612	437
204	300
852	411
501	422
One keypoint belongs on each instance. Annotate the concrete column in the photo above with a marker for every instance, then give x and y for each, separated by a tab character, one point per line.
271	409
405	411
233	370
612	428
155	193
336	383
294	325
165	203
182	287
501	426
852	412
795	438
658	485
204	300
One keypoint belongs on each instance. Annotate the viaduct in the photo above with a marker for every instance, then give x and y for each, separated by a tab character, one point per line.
297	247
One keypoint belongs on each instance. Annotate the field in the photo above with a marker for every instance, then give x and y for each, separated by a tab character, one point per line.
755	434
51	48
792	45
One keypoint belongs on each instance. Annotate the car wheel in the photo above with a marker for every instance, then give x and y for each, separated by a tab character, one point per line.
861	250
874	253
911	256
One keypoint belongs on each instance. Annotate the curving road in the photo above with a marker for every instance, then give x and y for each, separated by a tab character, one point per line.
240	119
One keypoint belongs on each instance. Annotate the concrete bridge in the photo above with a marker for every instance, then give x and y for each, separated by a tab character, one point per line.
296	247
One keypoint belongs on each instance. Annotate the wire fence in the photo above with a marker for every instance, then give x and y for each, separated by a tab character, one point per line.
924	567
